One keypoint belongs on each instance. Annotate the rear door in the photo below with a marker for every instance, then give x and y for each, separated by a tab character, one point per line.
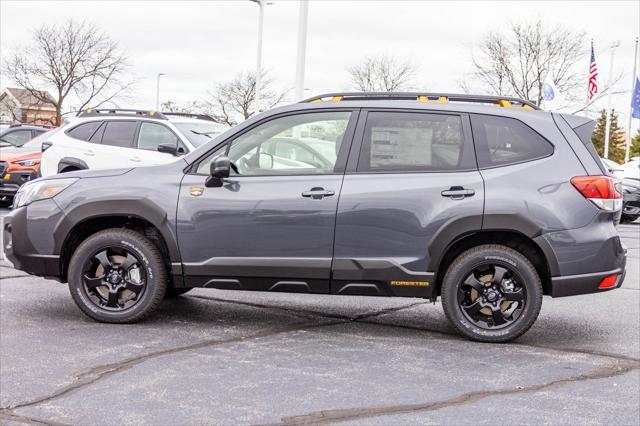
117	139
411	181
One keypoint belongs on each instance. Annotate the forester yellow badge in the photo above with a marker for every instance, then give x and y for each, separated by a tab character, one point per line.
411	283
196	191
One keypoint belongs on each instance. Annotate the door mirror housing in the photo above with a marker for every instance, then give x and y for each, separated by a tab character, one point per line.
168	148
220	168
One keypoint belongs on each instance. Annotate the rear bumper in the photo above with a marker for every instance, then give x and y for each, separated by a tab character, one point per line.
574	285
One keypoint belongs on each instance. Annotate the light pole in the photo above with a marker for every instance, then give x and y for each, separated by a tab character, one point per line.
261	4
633	86
607	131
302	47
158	91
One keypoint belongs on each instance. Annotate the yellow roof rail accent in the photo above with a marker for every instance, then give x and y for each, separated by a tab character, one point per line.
89	110
422	98
443	99
333	99
504	103
526	107
152	113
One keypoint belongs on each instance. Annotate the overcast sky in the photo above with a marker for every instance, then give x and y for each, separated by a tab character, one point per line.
199	43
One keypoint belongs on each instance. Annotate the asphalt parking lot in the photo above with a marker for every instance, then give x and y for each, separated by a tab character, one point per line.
227	357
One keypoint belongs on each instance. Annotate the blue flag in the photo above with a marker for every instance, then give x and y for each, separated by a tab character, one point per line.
635	100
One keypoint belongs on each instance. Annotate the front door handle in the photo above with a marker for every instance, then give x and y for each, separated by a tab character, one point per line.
89	153
135	159
458	193
317	193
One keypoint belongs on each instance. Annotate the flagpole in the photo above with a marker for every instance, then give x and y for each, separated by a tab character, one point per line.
607	131
633	84
586	105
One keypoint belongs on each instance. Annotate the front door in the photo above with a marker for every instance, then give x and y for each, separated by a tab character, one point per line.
411	176
270	226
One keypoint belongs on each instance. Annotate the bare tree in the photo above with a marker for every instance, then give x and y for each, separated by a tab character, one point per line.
191	108
516	62
237	100
382	74
70	59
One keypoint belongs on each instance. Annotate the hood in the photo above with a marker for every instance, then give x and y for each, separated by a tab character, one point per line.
10	154
91	173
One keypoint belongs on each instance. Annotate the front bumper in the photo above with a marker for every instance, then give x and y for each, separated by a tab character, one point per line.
28	241
10	182
631	204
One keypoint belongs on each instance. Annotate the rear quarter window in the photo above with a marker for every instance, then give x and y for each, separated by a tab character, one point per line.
84	130
501	141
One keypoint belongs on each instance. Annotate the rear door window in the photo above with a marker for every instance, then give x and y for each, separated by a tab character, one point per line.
414	142
502	141
119	133
84	131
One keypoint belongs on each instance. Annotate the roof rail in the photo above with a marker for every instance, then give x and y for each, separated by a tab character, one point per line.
91	112
189	115
503	101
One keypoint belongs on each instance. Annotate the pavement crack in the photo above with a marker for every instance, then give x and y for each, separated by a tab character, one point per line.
616	368
90	376
8	415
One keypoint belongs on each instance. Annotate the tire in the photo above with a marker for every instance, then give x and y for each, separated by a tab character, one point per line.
175	292
139	266
628	218
507	277
6	202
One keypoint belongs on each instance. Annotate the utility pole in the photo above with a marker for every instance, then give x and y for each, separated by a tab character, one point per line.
158	91
302	47
607	131
633	86
261	5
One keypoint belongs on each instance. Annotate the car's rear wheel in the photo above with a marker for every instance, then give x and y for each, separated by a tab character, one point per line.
117	276
491	293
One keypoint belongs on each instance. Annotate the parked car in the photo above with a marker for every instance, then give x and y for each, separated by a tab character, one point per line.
19	165
425	195
613	168
631	200
17	135
105	139
631	169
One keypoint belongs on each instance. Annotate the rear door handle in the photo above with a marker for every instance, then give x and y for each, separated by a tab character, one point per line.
136	159
318	193
458	193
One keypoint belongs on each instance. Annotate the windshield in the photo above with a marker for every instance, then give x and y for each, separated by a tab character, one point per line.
200	133
36	142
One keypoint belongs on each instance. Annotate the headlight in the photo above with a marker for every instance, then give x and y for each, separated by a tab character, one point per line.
40	190
27	163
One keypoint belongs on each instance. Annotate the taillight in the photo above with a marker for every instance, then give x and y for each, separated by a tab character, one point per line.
603	191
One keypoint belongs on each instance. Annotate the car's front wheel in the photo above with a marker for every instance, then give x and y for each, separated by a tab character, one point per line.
491	293
117	276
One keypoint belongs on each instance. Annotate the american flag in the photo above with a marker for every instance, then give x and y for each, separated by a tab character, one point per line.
593	77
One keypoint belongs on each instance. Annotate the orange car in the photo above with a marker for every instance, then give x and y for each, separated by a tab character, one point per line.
16	168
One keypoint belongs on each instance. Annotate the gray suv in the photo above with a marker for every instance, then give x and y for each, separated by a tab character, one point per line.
487	202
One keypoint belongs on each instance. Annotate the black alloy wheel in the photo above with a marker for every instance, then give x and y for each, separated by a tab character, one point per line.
492	296
113	279
491	293
118	276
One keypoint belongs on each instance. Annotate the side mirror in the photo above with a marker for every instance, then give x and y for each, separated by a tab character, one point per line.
220	168
168	148
45	146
